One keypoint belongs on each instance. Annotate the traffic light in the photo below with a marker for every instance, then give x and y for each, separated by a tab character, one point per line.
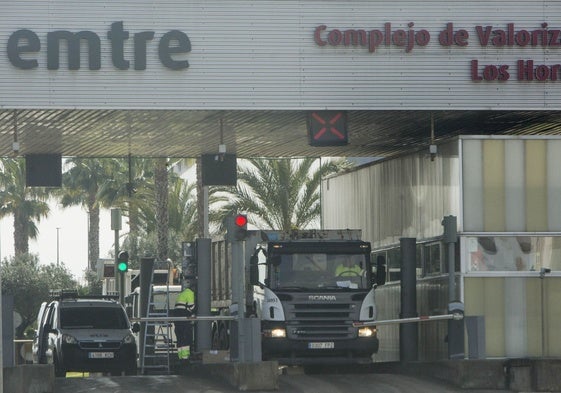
237	227
123	262
450	229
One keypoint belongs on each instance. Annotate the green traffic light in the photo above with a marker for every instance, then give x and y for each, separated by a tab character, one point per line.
123	261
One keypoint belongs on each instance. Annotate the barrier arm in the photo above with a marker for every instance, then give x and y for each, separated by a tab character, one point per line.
457	316
173	319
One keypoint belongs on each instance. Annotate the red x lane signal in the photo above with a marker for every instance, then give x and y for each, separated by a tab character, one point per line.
327	128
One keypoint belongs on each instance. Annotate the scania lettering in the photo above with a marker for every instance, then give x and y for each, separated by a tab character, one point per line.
318	297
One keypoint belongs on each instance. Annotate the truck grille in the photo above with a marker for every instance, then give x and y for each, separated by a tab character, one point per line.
320	321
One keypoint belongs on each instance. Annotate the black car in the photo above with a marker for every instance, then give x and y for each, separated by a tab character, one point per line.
85	334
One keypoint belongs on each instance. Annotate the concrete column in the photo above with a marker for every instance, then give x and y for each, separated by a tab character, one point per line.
203	328
408	332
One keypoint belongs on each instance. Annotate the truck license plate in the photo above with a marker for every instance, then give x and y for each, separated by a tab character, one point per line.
322	345
101	355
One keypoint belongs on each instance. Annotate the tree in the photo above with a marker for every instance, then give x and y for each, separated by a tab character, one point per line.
182	214
281	194
26	204
131	189
161	182
94	286
30	284
82	183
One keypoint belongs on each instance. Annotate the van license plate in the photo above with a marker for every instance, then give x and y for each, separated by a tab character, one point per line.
323	345
101	355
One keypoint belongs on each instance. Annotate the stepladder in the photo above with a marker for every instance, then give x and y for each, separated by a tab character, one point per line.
158	346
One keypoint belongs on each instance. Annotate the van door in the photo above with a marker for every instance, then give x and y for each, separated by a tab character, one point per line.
40	342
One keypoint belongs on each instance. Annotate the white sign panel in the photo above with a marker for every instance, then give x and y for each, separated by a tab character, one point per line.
284	55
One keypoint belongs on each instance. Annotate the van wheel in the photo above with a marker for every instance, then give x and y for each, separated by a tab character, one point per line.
215	341
60	372
132	371
223	339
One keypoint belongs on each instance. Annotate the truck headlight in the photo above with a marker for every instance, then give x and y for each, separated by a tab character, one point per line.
275	333
366	331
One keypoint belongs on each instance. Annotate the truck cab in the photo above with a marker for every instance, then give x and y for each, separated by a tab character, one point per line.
307	300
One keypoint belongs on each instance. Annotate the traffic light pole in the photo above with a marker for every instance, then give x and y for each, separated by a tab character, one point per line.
238	284
455	327
119	278
245	342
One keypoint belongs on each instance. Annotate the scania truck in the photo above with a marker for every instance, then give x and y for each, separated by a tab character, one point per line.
306	301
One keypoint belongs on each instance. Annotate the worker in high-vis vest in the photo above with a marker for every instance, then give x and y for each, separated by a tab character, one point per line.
184	307
348	269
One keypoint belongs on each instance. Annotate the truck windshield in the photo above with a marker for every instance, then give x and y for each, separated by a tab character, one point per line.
318	270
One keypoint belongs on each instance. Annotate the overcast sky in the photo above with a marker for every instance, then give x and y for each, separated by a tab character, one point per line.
72	238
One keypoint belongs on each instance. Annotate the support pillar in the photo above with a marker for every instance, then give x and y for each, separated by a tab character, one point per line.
408	332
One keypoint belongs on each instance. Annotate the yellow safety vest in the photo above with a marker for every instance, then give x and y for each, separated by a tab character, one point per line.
351	271
185	300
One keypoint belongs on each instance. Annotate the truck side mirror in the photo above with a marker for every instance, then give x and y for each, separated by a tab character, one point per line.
380	270
254	270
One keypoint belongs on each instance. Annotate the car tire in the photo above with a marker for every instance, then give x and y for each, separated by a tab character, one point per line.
131	371
60	372
223	339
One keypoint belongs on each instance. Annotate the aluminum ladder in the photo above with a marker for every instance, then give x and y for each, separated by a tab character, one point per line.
158	345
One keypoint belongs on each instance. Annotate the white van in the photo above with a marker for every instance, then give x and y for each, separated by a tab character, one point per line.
85	334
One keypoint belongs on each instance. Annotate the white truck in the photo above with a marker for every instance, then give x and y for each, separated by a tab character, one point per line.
306	309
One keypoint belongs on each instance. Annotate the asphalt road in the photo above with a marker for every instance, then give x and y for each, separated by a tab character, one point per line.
290	383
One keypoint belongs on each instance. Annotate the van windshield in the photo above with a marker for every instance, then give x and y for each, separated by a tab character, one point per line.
93	318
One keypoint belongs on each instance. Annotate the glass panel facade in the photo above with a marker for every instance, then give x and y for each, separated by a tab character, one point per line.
512	253
511	185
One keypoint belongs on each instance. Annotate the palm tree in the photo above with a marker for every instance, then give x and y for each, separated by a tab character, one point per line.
82	183
161	183
182	208
281	194
27	204
131	189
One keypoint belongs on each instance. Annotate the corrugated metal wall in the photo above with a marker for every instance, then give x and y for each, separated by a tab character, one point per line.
261	54
403	197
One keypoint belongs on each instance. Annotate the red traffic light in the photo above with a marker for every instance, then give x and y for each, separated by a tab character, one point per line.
240	220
